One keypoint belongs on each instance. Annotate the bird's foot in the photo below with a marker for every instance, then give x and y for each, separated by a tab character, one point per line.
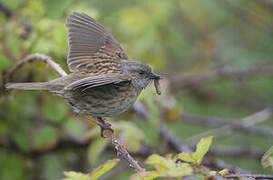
104	126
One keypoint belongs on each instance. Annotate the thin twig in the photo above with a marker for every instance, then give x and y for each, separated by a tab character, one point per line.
236	152
174	141
30	59
121	149
256	176
187	81
246	125
220	165
5	10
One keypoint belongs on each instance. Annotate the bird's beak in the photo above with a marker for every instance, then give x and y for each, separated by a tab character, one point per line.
155	76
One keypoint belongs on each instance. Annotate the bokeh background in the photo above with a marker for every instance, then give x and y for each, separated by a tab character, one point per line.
215	55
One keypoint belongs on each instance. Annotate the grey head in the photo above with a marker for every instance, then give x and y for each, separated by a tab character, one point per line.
141	74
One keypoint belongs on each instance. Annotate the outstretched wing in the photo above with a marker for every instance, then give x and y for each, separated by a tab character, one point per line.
90	44
91	82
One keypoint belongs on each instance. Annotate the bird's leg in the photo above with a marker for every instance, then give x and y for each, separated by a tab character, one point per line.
104	126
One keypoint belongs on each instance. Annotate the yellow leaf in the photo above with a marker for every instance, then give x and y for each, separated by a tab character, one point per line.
182	169
224	172
71	175
202	148
185	157
267	159
148	175
96	173
160	163
95	149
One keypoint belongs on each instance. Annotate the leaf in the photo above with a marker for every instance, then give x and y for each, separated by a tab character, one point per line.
224	172
55	112
196	157
75	129
96	173
202	148
71	175
45	138
95	149
182	169
160	163
148	175
267	159
185	156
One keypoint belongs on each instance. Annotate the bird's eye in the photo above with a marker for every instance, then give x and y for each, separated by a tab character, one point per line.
141	72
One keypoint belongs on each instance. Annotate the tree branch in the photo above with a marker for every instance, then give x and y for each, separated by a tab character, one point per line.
242	127
5	10
187	81
33	58
121	149
255	176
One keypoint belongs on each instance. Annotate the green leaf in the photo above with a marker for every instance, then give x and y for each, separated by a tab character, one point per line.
148	175
45	138
267	159
196	157
202	148
95	149
182	169
75	129
71	175
224	172
55	112
96	173
185	157
160	163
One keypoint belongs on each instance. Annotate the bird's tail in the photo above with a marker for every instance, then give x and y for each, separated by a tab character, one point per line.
28	86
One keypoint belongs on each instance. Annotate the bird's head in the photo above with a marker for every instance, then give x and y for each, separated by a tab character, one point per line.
141	74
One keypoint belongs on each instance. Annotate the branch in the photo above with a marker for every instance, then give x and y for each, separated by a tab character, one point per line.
33	58
242	127
121	149
5	10
188	81
237	151
218	164
255	176
267	4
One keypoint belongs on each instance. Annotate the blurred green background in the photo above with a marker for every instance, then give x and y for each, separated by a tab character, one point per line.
216	57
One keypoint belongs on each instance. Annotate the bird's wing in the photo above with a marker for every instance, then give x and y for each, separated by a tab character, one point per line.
90	44
91	82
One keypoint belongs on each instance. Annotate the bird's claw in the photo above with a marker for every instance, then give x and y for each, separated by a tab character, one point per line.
104	127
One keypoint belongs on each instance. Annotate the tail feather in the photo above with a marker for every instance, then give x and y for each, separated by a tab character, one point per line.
28	86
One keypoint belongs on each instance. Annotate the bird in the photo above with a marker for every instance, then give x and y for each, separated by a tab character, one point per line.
103	82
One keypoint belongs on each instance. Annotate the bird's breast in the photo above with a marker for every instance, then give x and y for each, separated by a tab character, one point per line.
103	101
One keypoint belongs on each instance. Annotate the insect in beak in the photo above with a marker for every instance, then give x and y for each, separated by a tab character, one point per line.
155	76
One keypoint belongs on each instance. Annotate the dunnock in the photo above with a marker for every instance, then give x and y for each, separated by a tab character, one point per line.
103	81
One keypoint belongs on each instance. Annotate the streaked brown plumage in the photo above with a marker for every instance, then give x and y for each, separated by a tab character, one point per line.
103	81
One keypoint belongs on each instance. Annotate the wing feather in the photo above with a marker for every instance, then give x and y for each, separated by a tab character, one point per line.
89	42
91	82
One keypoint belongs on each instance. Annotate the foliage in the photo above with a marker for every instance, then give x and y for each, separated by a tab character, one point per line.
95	174
183	164
196	157
267	159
